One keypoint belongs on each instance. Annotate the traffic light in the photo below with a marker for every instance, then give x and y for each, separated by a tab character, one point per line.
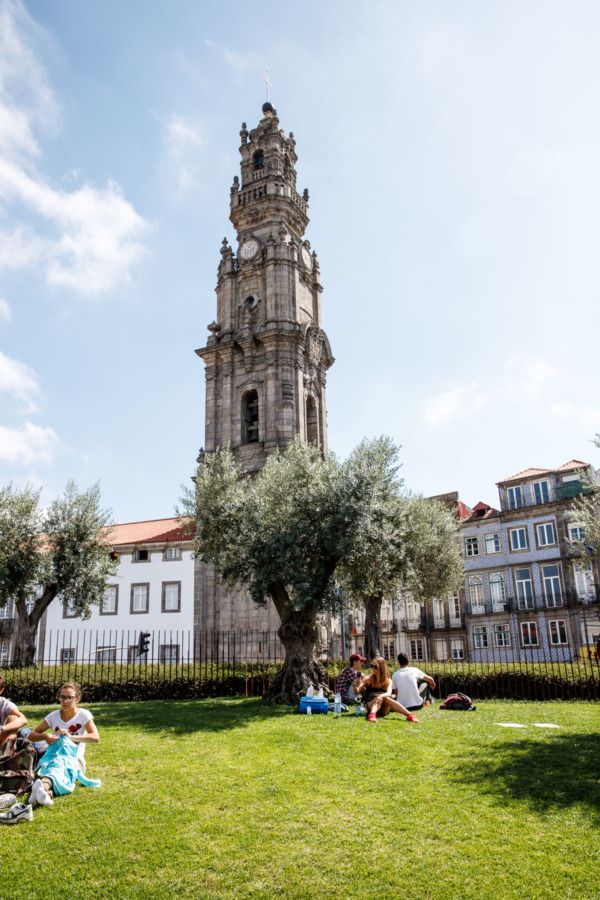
113	556
144	642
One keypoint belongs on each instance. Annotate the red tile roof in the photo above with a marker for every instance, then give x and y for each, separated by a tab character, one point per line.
530	473
156	531
463	511
481	511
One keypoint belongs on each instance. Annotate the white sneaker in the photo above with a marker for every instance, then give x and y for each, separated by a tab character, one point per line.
21	812
7	800
33	793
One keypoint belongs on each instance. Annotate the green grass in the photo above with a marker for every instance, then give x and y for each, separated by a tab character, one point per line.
234	799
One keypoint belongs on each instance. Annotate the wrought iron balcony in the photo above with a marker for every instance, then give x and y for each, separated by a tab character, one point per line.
575	489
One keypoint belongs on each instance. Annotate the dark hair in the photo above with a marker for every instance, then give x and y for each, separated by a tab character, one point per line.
403	659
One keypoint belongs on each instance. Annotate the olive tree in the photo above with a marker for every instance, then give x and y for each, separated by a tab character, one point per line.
585	511
408	543
62	551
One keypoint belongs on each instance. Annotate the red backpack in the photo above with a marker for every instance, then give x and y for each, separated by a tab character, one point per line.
458	701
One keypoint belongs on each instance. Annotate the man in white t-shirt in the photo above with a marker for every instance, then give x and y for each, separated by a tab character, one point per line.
11	720
405	682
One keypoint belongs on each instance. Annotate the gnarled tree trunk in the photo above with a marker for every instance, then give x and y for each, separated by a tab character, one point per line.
27	626
298	634
373	626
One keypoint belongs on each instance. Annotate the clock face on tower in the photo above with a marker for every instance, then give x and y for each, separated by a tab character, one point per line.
306	257
249	249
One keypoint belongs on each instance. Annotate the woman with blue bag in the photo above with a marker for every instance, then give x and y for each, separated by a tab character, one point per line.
63	763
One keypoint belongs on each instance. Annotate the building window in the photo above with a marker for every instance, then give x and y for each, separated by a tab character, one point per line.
529	634
476	593
518	538
416	649
558	632
169	654
172	553
541	492
250	418
497	591
106	654
552	588
545	534
258	160
576	533
171	596
312	421
480	637
6	612
68	610
524	588
492	543
454	609
584	581
110	601
67	654
139	598
471	546
3	653
502	635
515	497
141	556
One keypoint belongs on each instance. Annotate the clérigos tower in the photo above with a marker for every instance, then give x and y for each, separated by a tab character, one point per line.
267	355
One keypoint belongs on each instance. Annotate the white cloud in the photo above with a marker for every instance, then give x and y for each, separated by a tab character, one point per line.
18	380
528	379
28	445
460	400
4	310
184	142
88	239
587	416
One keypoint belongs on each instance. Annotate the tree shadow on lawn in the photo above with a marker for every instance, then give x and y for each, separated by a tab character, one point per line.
187	716
557	773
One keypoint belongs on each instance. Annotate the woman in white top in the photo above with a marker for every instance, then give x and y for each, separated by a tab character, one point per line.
71	721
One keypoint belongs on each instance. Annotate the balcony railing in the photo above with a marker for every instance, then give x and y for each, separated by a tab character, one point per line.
568	491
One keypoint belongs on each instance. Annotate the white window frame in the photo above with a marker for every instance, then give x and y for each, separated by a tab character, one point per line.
7	611
529	629
544	531
416	649
557	623
492	538
497	588
576	531
476	598
137	555
136	595
67	655
167	589
512	532
523	600
584	580
106	655
471	546
515	497
172	553
554	596
502	636
113	590
541	485
480	637
3	653
167	650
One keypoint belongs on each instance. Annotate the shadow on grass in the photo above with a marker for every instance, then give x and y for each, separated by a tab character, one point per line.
191	715
557	773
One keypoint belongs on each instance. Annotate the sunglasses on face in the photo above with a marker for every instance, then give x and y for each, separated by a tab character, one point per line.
62	697
373	665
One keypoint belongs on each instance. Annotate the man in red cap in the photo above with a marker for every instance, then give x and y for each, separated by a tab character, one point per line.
347	678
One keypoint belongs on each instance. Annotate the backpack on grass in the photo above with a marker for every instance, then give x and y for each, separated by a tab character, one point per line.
459	702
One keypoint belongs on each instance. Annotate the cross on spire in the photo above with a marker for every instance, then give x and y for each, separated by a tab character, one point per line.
269	85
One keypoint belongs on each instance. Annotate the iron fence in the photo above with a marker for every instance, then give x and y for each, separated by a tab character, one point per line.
126	665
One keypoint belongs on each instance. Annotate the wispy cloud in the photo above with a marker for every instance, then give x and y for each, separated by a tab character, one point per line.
528	379
184	143
18	380
586	415
88	239
4	310
459	400
28	445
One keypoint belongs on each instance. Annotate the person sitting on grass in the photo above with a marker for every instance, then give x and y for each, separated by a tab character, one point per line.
349	677
377	689
11	720
70	721
405	683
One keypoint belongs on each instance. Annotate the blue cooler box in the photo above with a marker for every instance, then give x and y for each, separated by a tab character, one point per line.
317	704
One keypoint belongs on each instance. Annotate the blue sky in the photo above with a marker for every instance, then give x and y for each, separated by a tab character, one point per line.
451	153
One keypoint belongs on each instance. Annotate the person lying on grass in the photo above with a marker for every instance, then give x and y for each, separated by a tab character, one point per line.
70	721
11	720
377	689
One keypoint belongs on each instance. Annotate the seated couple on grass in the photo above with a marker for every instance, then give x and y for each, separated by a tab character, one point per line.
63	763
378	688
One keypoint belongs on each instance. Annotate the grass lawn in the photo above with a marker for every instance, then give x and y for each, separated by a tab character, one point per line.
234	799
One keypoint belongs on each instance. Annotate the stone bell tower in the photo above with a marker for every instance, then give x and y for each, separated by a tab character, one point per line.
267	355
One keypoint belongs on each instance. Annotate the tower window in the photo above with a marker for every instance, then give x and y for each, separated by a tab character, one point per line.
250	418
258	159
312	422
